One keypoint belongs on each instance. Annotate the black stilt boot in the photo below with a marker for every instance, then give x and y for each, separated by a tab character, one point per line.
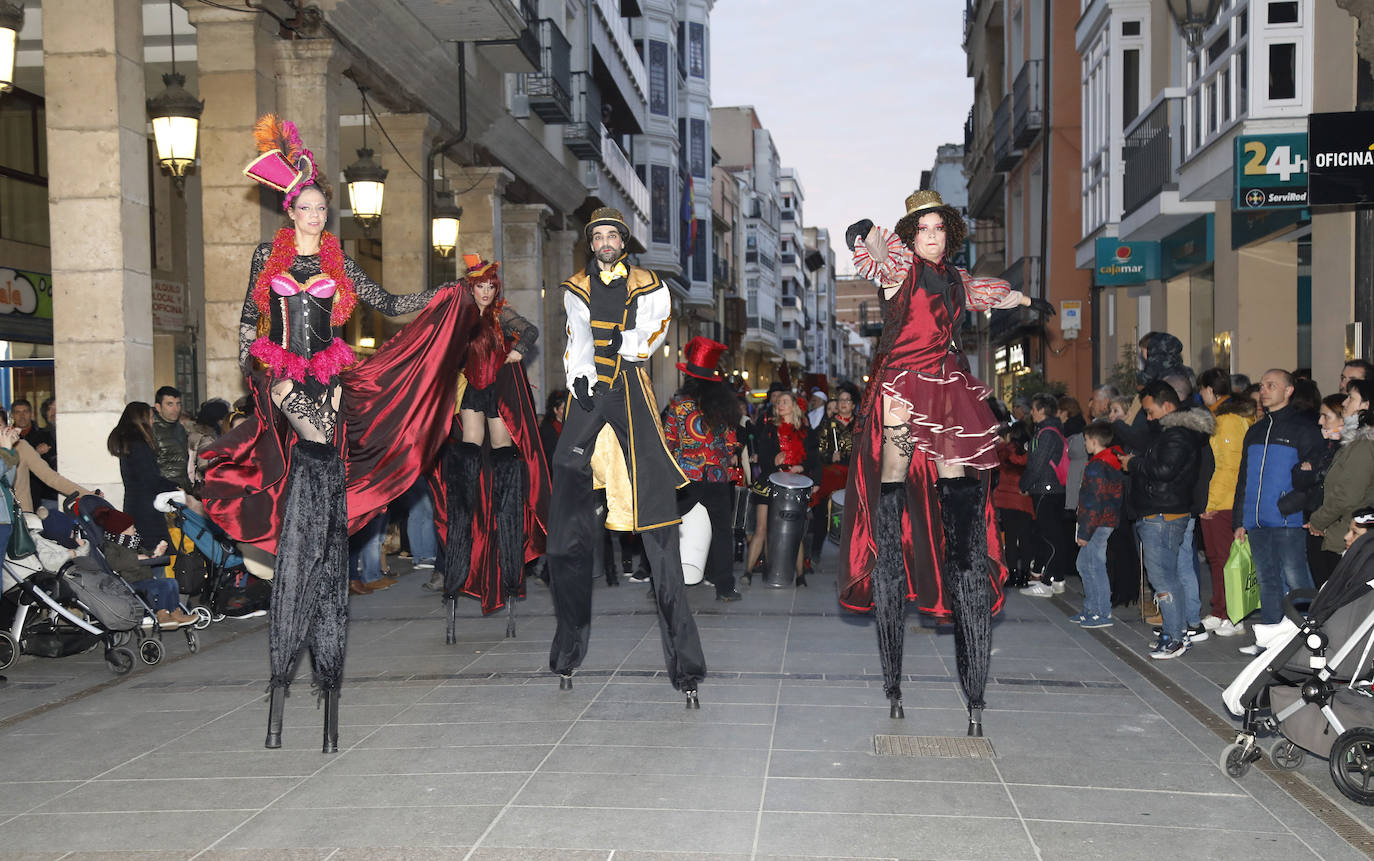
509	483
451	628
331	721
275	712
967	584
889	592
462	472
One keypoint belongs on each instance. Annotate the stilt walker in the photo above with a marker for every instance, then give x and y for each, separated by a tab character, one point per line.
328	438
918	518
495	480
617	316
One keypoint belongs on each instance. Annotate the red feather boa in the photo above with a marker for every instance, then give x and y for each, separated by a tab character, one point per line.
331	263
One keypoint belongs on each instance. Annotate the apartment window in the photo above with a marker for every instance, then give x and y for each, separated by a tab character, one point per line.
1283	71
1283	12
698	153
1211	90
699	267
1225	79
1243	81
660	194
658	77
696	50
1130	85
1130	28
1218	47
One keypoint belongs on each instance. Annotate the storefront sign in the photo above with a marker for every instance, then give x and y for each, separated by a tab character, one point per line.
1271	171
1124	263
1342	146
25	306
1186	248
169	306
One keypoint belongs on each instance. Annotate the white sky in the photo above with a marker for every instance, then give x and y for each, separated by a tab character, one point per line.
857	95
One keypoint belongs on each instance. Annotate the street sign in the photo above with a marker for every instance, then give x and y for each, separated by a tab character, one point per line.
1342	146
1070	317
1271	171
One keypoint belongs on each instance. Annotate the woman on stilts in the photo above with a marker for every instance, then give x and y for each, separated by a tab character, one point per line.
278	480
496	479
918	520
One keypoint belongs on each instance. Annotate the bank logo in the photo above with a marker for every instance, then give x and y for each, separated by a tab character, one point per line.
1123	253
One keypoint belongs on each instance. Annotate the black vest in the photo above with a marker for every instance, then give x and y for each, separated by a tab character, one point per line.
610	308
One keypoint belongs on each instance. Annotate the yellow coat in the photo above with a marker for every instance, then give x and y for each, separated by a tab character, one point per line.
1227	448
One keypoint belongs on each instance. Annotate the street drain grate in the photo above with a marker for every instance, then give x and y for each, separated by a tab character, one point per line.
938	746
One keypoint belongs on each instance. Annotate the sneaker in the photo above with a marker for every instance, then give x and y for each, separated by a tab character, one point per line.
1037	590
251	614
1057	587
1157	630
1251	649
423	565
1229	629
638	577
732	595
1078	618
1211	623
1196	633
1169	649
1096	621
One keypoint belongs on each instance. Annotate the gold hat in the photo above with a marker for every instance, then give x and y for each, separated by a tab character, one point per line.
923	200
607	215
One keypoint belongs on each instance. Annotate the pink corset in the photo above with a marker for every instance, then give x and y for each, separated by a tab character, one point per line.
320	286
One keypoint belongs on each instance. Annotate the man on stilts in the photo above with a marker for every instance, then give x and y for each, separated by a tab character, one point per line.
617	317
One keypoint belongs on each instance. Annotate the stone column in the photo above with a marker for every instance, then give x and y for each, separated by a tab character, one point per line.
405	232
522	279
309	72
98	211
481	189
234	59
559	249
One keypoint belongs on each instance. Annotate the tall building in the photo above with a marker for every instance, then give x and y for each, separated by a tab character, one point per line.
819	264
747	152
795	315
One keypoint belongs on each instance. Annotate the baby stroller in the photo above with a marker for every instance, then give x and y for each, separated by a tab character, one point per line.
72	610
1312	682
229	590
83	511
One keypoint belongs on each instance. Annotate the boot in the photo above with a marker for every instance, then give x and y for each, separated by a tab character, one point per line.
889	592
331	722
509	483
966	582
462	472
451	629
276	709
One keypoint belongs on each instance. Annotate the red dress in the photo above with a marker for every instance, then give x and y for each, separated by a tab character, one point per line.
918	365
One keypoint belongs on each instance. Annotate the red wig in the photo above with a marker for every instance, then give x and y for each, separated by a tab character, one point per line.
489	337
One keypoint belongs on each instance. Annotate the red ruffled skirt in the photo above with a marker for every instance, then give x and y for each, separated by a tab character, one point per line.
950	419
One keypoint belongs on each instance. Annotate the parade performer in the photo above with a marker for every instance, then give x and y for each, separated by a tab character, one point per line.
496	479
617	316
916	524
279	480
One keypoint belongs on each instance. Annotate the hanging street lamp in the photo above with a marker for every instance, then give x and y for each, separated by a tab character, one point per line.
11	22
175	115
366	182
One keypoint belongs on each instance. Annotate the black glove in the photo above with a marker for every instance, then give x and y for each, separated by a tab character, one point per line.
1043	307
583	393
615	340
856	231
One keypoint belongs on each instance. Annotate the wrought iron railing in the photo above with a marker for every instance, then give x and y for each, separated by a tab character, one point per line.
1147	154
1028	104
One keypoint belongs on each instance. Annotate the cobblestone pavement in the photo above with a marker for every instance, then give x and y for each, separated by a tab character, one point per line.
471	751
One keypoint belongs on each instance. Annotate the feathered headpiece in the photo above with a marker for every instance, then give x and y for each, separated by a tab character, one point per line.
285	163
479	269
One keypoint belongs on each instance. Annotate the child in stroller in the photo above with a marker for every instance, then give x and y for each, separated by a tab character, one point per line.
126	555
1312	681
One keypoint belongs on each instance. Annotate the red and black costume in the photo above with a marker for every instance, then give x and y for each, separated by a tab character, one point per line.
925	540
331	442
497	499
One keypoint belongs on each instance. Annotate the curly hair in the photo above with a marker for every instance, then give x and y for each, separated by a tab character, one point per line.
955	228
719	407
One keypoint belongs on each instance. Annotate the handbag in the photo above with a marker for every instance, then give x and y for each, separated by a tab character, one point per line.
1242	588
21	544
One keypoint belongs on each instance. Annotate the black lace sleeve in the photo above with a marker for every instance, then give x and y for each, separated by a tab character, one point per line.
371	294
523	330
248	320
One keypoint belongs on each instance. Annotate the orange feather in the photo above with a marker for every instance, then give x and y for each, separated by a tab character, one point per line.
268	134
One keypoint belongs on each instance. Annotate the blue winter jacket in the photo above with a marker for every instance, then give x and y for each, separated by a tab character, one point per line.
1273	446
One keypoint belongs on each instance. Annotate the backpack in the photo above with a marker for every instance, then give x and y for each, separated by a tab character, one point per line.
1061	466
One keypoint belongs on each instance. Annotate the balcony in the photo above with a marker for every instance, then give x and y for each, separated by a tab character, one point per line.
613	43
583	136
984	182
1004	154
1150	155
1023	275
479	21
617	165
720	270
548	89
1028	104
520	54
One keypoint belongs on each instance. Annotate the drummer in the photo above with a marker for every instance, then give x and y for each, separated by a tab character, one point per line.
786	443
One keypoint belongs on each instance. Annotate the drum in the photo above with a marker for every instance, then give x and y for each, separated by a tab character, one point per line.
694	541
836	516
788	499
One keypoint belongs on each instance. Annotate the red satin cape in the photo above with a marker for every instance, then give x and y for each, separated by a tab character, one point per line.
394	417
515	402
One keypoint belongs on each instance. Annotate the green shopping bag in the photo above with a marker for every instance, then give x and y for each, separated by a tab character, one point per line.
1242	589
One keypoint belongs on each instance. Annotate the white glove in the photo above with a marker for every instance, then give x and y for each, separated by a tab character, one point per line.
163	501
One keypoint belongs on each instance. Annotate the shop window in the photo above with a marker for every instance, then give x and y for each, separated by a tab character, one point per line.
1283	71
23	211
23	169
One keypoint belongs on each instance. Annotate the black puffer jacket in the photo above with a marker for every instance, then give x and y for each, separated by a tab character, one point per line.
1047	446
1172	473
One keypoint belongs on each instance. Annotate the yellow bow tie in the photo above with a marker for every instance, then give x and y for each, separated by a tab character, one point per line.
616	271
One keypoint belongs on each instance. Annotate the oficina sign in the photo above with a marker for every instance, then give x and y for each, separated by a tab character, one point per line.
1125	263
1342	151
